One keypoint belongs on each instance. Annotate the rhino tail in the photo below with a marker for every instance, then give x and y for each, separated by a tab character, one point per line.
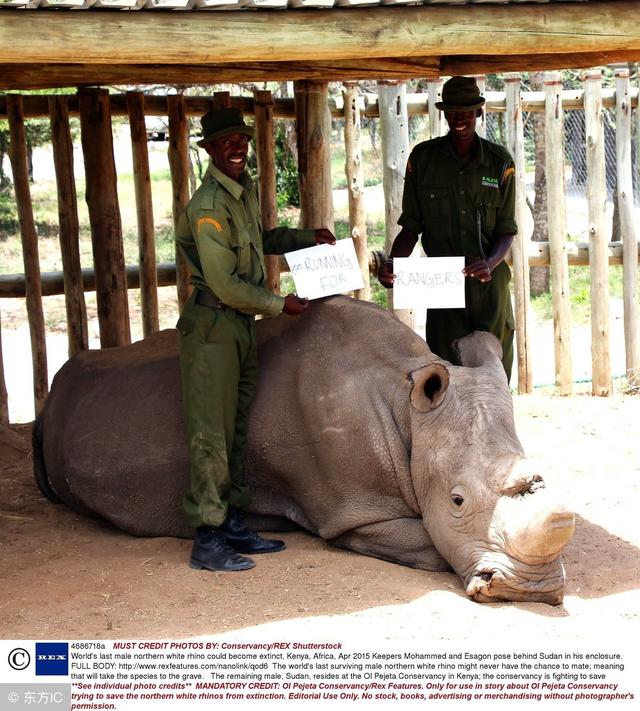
39	467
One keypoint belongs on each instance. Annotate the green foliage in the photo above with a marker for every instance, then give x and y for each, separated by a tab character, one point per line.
8	218
287	188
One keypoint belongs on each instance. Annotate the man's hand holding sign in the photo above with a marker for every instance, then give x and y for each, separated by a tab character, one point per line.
325	269
433	282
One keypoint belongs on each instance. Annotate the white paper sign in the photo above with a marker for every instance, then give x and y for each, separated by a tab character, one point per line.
325	269
434	282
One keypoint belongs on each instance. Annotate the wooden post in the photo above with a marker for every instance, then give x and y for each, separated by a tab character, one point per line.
4	398
77	329
437	124
179	167
355	183
266	155
627	223
313	127
221	100
481	123
104	216
35	315
394	131
519	249
554	168
144	214
598	237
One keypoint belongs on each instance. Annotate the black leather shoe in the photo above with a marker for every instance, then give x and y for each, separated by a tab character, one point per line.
211	551
241	539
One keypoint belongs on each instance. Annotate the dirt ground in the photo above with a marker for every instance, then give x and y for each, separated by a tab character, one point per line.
70	577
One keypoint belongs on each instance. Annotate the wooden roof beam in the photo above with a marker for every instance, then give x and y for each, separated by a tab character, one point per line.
203	38
50	76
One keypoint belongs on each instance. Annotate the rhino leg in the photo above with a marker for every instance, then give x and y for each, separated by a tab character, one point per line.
401	540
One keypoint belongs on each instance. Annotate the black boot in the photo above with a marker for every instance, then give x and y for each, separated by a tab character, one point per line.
210	551
241	539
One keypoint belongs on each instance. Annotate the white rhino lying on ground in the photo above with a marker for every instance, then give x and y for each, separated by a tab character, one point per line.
358	434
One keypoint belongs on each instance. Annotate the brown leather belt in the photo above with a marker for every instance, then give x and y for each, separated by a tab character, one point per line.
206	298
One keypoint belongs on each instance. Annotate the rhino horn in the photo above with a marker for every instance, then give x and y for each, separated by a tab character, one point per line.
535	525
540	536
430	383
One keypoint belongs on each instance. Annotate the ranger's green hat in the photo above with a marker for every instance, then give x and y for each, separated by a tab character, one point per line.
460	94
223	122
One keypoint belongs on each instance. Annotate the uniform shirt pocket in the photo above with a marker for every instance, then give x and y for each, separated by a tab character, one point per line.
435	201
243	252
490	202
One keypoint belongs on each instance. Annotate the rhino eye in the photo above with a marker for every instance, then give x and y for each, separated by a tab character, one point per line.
457	499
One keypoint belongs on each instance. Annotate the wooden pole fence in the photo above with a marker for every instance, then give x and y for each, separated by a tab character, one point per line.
4	398
313	129
624	176
144	214
313	111
12	286
596	203
35	314
178	154
69	228
394	129
515	144
36	106
104	216
355	184
554	151
265	152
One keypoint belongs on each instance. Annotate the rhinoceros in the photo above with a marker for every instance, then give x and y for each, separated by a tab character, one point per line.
358	434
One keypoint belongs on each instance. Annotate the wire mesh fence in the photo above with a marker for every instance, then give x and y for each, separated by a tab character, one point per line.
575	159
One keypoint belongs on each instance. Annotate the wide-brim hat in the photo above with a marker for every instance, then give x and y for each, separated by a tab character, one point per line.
460	94
223	122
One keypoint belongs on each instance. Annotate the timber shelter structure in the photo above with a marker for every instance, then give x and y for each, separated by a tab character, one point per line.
45	45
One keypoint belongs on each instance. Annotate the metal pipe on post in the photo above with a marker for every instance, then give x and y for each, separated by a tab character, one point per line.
394	129
598	239
355	183
519	250
627	224
265	152
29	236
554	169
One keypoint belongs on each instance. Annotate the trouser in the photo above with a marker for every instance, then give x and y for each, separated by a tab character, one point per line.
219	368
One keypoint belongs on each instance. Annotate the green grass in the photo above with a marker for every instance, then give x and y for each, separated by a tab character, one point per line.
579	294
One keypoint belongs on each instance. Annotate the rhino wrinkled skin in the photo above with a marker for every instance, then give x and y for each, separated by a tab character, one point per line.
358	434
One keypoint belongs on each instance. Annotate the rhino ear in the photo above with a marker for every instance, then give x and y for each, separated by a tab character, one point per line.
430	385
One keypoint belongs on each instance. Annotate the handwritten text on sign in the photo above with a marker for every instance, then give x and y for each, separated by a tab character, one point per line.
325	269
434	282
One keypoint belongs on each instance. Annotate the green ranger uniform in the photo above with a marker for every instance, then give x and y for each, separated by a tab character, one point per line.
461	208
221	236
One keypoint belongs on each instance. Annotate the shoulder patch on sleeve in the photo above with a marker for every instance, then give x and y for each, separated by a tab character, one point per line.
210	221
508	171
